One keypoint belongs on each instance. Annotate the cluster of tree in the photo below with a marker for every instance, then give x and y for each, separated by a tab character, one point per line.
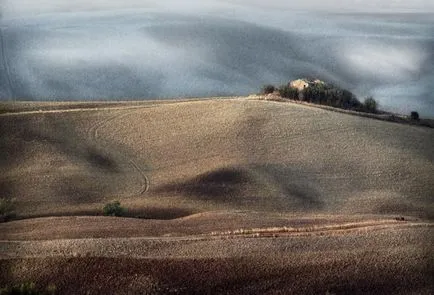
325	94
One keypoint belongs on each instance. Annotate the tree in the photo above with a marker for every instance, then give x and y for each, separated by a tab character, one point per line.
414	116
370	105
267	89
288	92
113	209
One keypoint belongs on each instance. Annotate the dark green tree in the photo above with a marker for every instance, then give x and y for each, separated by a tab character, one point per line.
370	105
267	89
113	209
288	92
414	116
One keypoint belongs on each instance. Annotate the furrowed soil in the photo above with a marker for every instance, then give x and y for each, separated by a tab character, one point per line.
233	196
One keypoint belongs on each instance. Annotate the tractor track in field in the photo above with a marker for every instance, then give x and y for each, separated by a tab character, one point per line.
145	185
93	134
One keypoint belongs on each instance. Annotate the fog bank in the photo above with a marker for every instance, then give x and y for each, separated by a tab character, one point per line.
76	52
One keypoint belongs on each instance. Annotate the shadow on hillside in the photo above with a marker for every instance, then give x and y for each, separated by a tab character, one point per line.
222	184
273	185
158	213
52	160
292	184
100	160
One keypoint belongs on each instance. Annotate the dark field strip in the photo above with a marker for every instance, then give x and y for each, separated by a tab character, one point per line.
349	273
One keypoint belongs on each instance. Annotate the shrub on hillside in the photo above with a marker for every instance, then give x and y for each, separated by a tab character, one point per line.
288	92
267	89
114	209
370	105
7	209
414	116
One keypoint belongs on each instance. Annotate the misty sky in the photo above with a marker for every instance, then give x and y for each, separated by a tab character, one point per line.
69	50
20	8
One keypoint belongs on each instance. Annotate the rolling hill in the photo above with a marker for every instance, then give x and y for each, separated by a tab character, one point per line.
249	196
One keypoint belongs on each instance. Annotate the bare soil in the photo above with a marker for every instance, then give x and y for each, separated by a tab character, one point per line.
233	196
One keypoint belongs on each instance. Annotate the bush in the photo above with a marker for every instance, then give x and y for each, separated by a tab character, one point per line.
113	209
370	105
288	92
414	116
7	209
267	89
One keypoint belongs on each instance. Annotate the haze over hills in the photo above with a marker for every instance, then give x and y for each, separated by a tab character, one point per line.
75	52
313	190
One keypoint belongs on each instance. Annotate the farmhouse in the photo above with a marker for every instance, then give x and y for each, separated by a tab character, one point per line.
301	84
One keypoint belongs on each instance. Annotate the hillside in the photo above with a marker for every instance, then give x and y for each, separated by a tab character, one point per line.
213	181
209	155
